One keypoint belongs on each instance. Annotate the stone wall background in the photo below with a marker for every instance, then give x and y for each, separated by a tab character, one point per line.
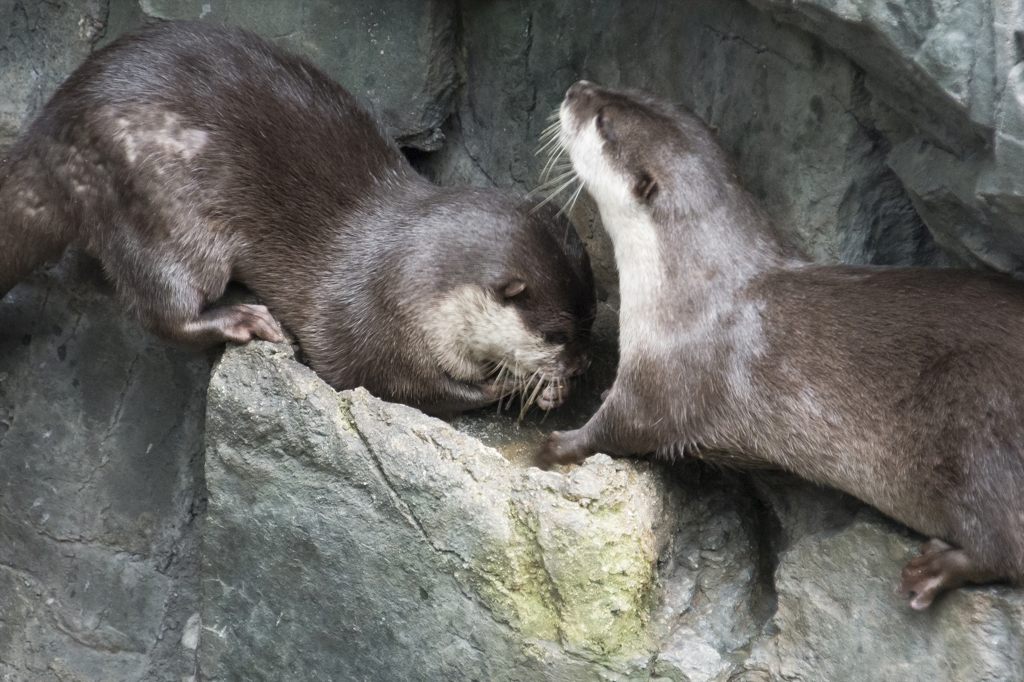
871	132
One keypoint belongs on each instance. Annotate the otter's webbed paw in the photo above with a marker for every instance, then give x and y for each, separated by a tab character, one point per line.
249	321
940	567
240	322
560	448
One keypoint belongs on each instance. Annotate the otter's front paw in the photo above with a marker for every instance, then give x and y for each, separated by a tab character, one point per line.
939	568
559	448
240	323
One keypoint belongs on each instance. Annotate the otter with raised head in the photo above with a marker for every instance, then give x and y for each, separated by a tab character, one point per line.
186	155
902	386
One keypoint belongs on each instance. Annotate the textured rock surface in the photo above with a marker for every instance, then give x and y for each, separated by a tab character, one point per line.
40	43
838	618
348	538
101	461
955	73
836	563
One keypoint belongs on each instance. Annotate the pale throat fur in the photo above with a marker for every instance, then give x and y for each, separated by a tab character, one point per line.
709	299
633	233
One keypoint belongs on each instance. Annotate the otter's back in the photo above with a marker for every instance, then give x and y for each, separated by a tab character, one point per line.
265	139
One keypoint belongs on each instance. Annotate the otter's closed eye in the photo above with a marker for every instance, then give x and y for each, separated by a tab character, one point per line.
556	338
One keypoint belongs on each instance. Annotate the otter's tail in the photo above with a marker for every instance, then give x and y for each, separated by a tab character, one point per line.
31	233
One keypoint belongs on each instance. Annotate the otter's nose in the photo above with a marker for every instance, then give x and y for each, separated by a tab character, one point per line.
576	88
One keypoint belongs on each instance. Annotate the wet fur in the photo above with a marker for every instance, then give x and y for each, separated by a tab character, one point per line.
902	386
187	155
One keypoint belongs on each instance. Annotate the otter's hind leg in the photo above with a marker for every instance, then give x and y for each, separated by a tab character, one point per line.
33	230
177	313
940	567
168	287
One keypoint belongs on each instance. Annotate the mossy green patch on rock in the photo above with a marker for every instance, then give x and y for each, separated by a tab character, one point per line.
514	583
575	570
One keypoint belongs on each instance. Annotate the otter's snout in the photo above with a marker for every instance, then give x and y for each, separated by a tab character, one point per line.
578	88
580	104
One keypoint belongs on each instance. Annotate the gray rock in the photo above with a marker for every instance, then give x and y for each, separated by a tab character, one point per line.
691	661
838	618
40	43
714	589
939	56
953	71
350	538
101	457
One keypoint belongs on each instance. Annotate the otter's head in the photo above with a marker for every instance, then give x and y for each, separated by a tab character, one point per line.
638	156
519	315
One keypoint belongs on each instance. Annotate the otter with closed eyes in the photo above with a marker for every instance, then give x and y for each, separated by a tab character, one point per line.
186	155
902	386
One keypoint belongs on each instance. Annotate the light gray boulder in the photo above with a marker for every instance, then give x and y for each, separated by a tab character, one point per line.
348	538
954	71
838	617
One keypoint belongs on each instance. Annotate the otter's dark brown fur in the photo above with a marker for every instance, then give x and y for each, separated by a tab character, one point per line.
902	386
185	155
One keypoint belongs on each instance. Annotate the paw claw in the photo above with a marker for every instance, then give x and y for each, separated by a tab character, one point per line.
552	396
254	321
940	567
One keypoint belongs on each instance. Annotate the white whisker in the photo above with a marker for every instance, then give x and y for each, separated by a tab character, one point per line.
558	179
551	130
533	396
552	163
567	209
555	193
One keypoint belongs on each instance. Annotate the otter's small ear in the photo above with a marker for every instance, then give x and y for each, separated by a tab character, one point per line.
645	187
512	288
